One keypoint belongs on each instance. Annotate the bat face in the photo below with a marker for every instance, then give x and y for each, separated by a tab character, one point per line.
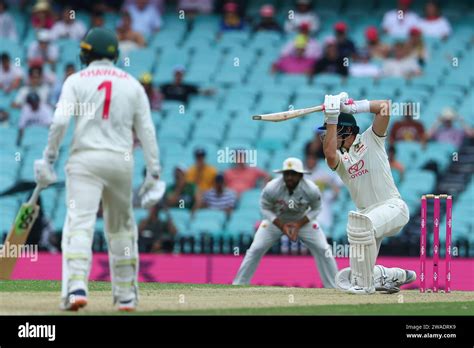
18	235
25	218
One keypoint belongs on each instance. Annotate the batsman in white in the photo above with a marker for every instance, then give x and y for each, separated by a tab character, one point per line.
290	205
100	167
361	162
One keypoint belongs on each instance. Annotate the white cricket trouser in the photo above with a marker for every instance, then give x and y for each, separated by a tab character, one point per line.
387	217
312	236
92	176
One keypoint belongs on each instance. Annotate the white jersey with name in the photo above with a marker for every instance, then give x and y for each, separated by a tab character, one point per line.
277	202
366	172
107	104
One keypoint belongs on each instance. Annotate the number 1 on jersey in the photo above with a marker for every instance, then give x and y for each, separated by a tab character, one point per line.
108	94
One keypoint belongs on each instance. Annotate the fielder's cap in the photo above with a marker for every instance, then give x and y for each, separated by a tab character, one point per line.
43	36
371	33
448	114
292	164
340	27
346	120
199	152
267	10
179	68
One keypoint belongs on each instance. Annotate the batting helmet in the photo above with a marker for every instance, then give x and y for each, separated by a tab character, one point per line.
99	43
345	120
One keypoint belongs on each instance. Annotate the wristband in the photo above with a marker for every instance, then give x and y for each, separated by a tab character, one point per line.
362	106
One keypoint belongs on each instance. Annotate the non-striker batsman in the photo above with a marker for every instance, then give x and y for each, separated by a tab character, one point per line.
100	168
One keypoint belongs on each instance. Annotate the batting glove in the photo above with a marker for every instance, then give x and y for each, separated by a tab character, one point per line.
332	106
152	190
44	173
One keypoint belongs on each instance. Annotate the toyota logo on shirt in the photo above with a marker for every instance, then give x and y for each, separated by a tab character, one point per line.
357	169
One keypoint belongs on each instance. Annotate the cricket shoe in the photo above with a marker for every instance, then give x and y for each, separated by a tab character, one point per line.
75	300
392	286
360	290
127	306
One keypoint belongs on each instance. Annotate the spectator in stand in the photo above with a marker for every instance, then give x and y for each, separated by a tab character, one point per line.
416	46
128	38
179	91
267	20
35	84
158	4
408	129
68	27
43	50
363	66
10	75
328	183
394	164
195	7
242	177
42	16
398	22
331	62
201	173
219	197
33	113
303	14
296	61
182	194
314	147
4	118
97	19
376	48
152	93
146	18
7	23
69	69
231	18
155	235
433	24
444	130
345	46
312	50
402	64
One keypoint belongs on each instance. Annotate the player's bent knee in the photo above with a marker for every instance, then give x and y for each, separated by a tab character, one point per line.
360	229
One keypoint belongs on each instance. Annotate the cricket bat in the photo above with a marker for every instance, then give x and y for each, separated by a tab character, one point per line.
19	232
287	115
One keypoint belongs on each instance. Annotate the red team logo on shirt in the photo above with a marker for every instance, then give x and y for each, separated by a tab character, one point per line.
357	169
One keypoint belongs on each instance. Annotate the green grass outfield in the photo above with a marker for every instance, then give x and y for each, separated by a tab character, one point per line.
456	303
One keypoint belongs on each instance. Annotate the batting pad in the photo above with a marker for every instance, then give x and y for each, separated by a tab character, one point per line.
363	249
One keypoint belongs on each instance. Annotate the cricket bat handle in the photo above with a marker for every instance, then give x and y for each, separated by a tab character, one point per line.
34	197
287	115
